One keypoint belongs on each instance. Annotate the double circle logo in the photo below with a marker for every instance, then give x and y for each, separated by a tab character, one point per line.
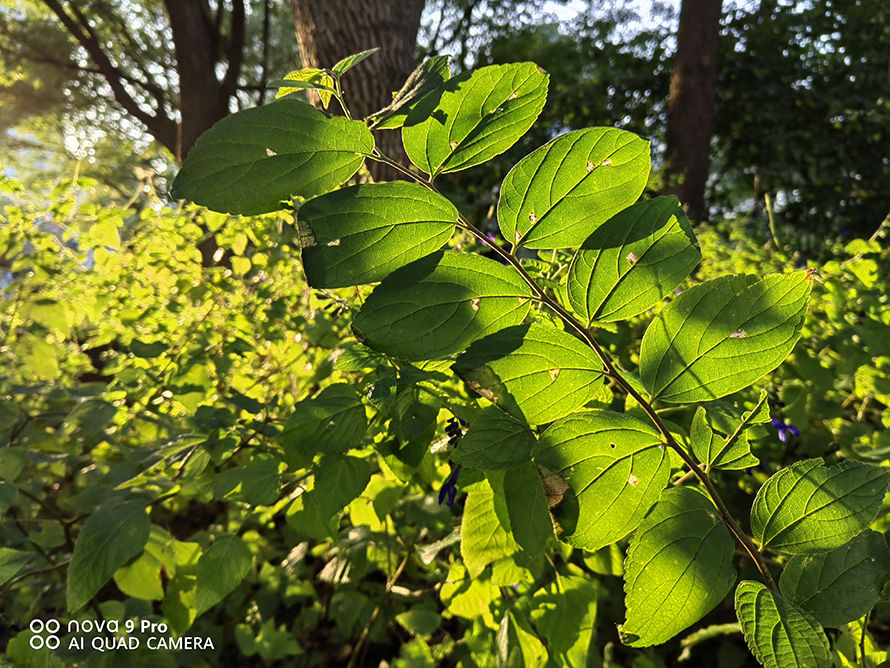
37	627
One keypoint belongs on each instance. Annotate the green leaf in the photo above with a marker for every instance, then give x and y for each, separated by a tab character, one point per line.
11	562
147	350
536	373
615	467
517	645
527	510
440	304
220	569
809	507
565	614
338	480
679	566
253	160
351	61
307	78
716	452
839	586
632	261
558	195
722	335
91	417
420	620
779	634
141	578
483	539
414	414
474	117
495	441
257	483
332	421
307	518
422	81
363	233
9	414
9	494
110	537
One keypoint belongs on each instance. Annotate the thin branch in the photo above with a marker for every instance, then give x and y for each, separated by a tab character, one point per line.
367	630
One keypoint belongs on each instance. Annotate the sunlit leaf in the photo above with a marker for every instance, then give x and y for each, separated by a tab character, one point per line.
615	467
679	566
474	117
495	441
812	507
632	261
537	373
422	81
252	161
842	585
440	304
722	335
779	634
362	233
559	194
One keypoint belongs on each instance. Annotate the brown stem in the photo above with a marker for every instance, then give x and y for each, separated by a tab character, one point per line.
610	370
367	630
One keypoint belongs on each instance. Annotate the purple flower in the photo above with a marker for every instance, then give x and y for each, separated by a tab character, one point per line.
448	492
784	429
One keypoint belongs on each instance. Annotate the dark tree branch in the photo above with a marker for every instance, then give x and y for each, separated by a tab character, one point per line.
159	125
264	71
235	51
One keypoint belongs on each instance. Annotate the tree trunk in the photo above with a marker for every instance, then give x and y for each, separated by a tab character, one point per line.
329	30
203	98
691	106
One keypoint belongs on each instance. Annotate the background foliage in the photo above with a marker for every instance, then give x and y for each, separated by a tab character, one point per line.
147	400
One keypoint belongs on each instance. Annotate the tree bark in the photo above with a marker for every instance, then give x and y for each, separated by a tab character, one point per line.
691	105
203	98
329	30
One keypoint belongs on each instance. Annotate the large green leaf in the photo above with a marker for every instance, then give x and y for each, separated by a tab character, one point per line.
679	566
220	569
779	634
495	441
483	538
839	586
632	261
110	537
440	304
332	421
537	373
720	336
422	81
527	509
615	467
474	117
251	161
363	233
559	194
809	507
